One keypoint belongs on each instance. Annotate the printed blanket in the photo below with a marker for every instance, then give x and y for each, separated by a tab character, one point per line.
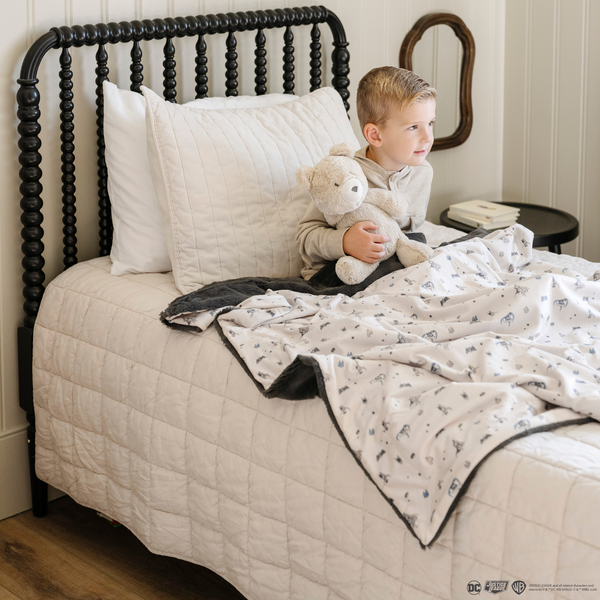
430	369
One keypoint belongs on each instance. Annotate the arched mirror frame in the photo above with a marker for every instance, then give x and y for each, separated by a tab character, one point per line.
466	73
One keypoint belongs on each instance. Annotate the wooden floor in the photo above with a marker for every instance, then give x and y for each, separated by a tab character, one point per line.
76	555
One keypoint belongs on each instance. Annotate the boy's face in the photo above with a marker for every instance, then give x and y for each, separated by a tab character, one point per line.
406	138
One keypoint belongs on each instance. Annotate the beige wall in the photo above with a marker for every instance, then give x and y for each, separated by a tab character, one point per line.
375	30
551	124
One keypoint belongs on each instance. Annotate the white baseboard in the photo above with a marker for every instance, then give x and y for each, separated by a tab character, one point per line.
15	489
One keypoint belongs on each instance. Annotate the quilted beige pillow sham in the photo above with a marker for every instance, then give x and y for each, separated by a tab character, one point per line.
138	244
226	182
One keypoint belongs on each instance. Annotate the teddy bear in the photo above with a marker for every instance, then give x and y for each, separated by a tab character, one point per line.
340	190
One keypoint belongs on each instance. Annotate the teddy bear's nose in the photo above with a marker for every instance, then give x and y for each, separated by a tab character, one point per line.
352	192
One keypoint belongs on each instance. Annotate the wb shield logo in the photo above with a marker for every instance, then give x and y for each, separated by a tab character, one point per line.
474	587
518	587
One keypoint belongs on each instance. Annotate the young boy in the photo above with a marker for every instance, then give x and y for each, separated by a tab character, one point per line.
396	111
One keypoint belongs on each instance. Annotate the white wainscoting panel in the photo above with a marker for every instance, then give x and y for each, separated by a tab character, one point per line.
551	127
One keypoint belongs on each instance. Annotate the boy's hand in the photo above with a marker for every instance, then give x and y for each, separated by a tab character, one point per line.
359	242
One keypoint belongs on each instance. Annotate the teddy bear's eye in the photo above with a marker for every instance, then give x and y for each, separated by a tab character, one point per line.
336	184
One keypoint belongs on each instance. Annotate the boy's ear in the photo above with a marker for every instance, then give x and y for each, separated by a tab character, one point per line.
371	133
304	176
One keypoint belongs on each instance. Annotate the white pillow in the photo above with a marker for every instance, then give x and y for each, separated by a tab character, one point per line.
226	182
138	240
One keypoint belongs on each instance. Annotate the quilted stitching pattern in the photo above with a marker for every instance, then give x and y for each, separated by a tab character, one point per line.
164	431
226	182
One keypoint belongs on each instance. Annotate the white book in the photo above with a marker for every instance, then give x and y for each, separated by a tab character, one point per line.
473	222
484	210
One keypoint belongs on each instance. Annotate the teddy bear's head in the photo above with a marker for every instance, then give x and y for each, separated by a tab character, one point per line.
337	184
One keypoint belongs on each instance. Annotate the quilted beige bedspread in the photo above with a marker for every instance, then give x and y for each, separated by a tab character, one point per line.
165	432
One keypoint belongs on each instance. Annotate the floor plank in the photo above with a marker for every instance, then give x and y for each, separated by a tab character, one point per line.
6	595
32	567
118	554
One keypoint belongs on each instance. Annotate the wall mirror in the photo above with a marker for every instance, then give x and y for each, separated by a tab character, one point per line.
444	57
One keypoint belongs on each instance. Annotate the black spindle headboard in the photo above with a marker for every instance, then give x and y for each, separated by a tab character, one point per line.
102	34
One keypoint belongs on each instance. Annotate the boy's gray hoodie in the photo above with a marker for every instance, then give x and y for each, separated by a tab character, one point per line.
319	243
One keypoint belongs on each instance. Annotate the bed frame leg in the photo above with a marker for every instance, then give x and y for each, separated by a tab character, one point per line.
39	489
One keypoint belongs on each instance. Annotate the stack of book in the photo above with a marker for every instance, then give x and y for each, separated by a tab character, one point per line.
480	213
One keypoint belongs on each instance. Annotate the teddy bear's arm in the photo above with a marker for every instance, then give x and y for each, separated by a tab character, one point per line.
333	220
393	204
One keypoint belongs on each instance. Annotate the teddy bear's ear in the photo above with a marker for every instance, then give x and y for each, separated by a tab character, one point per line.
304	176
343	149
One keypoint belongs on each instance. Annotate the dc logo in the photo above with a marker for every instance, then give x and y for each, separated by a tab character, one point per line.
474	588
519	587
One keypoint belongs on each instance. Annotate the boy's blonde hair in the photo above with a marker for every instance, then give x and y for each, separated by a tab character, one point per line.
385	90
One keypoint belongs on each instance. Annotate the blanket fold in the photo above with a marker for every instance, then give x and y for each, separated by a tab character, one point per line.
195	311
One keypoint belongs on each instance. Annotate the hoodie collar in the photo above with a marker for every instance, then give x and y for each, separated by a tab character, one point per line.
374	171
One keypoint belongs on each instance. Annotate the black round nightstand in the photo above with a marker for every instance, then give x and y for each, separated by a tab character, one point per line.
551	227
